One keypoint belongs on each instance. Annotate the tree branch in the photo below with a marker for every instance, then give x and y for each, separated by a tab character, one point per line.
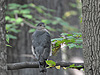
22	65
28	24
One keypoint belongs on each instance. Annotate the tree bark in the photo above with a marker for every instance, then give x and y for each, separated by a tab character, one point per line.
91	36
3	64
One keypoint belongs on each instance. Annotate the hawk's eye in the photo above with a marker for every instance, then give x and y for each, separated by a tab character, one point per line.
40	24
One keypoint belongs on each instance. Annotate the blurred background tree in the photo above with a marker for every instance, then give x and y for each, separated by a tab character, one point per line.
62	19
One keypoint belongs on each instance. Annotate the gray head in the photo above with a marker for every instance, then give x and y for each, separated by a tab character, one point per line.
41	26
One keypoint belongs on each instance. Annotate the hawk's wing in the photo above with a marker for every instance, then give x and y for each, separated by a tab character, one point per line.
41	42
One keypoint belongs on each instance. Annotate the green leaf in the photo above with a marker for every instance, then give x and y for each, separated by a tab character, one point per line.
43	7
70	37
79	66
58	43
60	39
8	26
73	65
50	63
67	34
79	40
19	20
77	35
7	38
71	45
13	6
64	34
64	23
32	5
46	8
81	20
12	19
58	67
39	9
16	11
8	45
55	22
28	16
7	18
11	36
46	21
67	41
58	19
24	6
14	30
49	28
79	46
83	69
31	30
48	15
25	11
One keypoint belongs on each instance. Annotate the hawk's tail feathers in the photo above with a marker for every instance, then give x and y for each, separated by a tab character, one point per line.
42	67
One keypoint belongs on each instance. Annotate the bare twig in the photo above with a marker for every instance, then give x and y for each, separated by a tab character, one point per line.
27	23
22	65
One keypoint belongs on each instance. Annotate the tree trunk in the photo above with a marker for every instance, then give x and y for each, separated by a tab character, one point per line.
91	36
3	66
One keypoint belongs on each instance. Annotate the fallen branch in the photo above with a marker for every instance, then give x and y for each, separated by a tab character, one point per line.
23	65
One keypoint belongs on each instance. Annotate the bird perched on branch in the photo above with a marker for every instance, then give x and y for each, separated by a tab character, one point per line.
41	42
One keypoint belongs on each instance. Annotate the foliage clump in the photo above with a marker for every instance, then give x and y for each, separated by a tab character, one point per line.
17	15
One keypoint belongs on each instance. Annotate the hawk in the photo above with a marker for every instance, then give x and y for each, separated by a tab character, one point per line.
41	43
